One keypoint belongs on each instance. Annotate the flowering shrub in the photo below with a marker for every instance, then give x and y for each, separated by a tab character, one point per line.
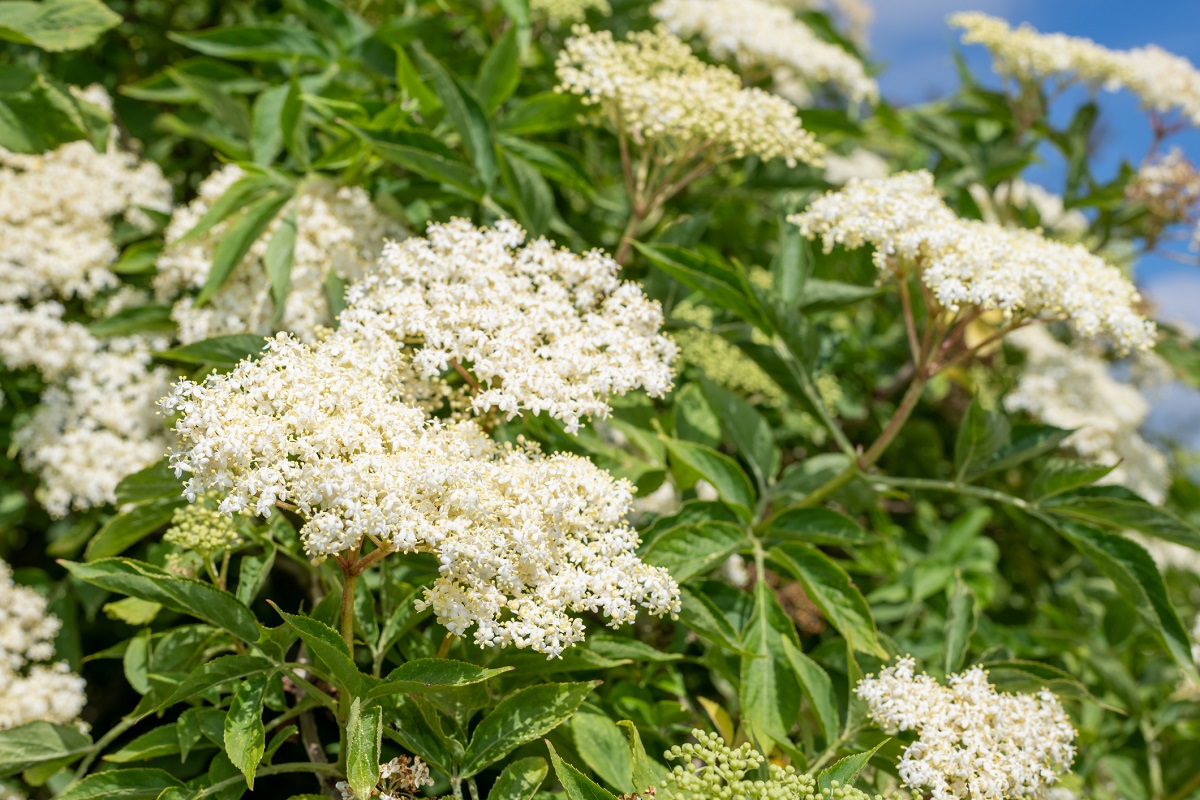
586	400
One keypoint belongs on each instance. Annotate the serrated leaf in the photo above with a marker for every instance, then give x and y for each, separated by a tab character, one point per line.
646	771
520	780
701	615
364	733
577	785
1026	442
521	717
817	687
237	240
1060	475
245	735
35	743
689	550
1119	508
156	482
221	670
980	436
122	784
326	645
125	530
767	689
161	741
819	526
747	429
731	483
148	582
720	281
467	116
847	769
433	674
602	746
832	591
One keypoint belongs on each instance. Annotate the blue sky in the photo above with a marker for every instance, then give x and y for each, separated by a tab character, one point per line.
911	39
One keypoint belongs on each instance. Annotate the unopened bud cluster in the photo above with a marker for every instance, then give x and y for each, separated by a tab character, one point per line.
201	530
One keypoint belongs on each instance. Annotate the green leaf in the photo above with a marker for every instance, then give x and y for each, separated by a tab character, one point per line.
1025	443
125	530
161	741
423	155
245	735
148	582
221	670
602	745
241	193
1129	566
134	320
132	611
155	482
250	43
817	687
237	239
819	295
720	281
847	769
223	352
520	780
521	717
748	429
534	197
56	25
266	130
432	674
1119	508
138	258
731	483
689	550
500	72
253	573
279	258
1060	475
328	647
216	101
292	125
700	615
410	81
832	591
767	689
364	734
961	617
122	784
646	771
40	743
36	114
981	434
577	785
819	526
542	113
467	116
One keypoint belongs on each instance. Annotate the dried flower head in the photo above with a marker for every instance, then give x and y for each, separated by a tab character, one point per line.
972	741
540	328
523	539
338	232
971	263
763	35
31	690
653	87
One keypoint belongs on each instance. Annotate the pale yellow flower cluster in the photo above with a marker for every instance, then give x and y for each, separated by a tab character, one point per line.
1069	387
542	329
339	431
567	12
1163	81
31	689
971	263
760	34
338	232
654	88
201	530
721	360
95	422
972	741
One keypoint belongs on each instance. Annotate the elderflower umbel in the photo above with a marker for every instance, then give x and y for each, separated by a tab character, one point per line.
971	263
1163	81
1068	387
30	690
972	741
201	530
523	539
541	328
566	12
712	769
338	232
95	422
653	87
761	34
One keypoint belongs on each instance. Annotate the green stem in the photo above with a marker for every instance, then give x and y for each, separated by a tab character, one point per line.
274	769
101	744
801	376
903	412
828	754
956	487
349	581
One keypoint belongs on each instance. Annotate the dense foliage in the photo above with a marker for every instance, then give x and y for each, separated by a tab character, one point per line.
843	441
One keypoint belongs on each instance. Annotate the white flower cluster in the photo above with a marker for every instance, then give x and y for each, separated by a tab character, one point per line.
30	690
95	423
762	34
338	231
566	12
654	87
972	741
337	430
966	262
859	163
541	328
1162	81
1069	387
401	778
